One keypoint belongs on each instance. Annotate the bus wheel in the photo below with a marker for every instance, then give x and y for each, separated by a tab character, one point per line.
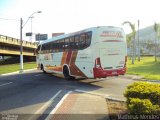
42	68
66	74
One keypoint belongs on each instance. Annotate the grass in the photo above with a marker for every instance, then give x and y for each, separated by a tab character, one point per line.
16	67
147	67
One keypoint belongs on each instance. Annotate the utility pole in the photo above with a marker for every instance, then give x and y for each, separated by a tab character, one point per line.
138	44
21	46
21	41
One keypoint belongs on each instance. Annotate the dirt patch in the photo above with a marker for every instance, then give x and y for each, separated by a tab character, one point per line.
116	108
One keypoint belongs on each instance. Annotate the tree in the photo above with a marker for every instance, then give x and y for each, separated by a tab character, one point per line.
156	32
133	34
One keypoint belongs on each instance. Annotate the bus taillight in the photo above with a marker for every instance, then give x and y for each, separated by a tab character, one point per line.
98	63
125	59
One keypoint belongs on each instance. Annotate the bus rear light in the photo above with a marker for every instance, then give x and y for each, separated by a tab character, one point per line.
125	59
98	63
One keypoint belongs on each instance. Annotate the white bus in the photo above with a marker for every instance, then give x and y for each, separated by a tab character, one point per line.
96	52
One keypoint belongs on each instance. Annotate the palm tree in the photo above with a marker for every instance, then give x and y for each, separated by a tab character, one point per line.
133	34
156	30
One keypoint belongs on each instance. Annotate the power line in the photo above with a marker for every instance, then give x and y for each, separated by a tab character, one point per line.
9	19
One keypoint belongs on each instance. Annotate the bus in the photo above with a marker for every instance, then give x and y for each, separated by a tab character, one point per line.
96	52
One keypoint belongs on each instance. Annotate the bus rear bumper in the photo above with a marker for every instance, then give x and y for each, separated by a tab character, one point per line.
101	73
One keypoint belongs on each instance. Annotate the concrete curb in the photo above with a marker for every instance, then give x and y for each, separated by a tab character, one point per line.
139	78
17	72
105	96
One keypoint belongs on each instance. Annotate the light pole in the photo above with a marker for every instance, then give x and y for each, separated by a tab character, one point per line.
21	41
21	47
31	28
138	44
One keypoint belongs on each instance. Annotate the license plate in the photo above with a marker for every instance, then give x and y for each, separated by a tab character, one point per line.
114	72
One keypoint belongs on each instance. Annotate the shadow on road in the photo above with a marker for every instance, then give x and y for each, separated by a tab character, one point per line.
29	91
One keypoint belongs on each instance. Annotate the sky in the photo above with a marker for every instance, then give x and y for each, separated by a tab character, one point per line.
74	15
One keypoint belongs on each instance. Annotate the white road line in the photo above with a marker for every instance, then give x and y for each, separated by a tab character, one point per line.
57	106
38	75
47	104
5	84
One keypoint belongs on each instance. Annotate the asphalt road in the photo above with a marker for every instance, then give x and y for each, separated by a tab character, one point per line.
36	93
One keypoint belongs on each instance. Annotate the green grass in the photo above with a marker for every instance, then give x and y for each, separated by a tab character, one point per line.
16	67
147	67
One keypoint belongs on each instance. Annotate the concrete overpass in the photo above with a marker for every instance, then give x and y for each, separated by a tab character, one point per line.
11	47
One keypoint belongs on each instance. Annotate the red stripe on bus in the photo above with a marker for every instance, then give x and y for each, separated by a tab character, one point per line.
55	68
73	68
68	57
64	56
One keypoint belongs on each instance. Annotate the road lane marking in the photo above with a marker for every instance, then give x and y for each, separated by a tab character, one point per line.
44	107
38	75
5	84
48	103
57	106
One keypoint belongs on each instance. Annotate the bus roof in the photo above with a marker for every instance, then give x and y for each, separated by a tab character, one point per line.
75	33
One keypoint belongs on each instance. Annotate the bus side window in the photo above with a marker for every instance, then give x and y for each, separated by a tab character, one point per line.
88	38
66	44
43	49
76	43
49	47
57	44
71	42
52	48
82	41
38	49
61	45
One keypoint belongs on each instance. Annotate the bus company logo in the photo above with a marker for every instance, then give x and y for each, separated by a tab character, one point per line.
116	34
47	57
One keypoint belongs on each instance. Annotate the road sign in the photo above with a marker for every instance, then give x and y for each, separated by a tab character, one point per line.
29	34
40	37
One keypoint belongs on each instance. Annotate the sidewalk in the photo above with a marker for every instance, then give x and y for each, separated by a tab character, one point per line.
80	106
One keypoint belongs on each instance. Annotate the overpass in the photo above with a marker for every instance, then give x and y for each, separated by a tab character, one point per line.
11	47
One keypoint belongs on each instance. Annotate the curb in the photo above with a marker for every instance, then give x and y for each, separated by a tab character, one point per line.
17	72
139	78
105	96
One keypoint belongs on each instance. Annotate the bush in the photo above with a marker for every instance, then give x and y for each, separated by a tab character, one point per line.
138	106
143	98
144	90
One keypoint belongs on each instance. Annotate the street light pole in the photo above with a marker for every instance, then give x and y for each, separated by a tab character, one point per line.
21	41
31	28
138	44
21	46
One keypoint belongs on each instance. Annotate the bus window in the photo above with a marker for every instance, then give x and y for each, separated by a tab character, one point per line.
76	45
72	43
38	50
88	38
57	46
82	41
66	44
61	45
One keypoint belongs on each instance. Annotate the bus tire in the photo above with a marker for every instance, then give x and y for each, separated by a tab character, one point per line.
42	68
66	73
